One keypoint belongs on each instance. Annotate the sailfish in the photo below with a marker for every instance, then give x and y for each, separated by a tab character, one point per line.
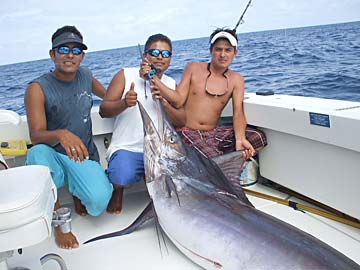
211	223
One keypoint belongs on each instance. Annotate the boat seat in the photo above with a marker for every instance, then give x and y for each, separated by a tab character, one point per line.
27	197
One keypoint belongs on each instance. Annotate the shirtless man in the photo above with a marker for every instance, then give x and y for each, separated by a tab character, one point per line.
204	90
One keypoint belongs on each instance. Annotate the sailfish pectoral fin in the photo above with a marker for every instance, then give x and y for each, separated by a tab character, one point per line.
231	165
171	187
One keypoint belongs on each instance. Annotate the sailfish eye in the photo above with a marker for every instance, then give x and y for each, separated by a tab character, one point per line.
172	139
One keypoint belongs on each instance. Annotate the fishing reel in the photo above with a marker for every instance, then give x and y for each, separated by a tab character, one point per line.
153	71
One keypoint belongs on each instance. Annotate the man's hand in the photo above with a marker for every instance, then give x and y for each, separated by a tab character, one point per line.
155	86
145	68
246	146
74	147
131	96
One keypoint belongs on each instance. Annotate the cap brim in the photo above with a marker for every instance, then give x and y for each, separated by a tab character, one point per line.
224	35
83	46
68	37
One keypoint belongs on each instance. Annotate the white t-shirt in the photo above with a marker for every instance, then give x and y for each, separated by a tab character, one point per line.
128	131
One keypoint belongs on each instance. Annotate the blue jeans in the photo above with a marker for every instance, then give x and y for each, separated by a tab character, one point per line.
126	167
86	180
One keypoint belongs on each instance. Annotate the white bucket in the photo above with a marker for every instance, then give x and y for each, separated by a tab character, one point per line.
249	175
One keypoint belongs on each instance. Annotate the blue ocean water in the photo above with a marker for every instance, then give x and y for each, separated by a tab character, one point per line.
317	61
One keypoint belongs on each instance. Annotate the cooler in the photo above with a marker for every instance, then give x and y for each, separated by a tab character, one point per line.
27	197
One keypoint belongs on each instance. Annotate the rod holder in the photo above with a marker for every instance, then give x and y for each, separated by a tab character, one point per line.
62	218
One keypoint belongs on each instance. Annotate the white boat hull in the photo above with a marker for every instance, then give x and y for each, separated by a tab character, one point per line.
316	161
313	146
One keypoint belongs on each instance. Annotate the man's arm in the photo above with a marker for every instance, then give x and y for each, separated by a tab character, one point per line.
178	97
176	116
36	117
239	120
113	103
97	88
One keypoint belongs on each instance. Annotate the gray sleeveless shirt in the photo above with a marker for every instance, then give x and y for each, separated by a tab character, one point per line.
68	106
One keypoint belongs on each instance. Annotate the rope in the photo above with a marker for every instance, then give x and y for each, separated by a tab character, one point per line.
301	207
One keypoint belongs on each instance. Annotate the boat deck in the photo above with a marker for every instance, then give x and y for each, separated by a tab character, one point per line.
140	250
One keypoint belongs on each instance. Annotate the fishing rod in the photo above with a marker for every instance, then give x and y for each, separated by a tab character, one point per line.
153	69
302	207
242	16
151	73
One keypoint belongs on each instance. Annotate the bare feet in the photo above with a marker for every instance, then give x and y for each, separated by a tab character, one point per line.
80	209
115	204
65	240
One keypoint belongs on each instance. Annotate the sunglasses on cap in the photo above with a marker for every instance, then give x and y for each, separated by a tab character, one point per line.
66	50
156	53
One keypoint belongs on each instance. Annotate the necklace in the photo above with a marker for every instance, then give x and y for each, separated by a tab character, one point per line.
207	91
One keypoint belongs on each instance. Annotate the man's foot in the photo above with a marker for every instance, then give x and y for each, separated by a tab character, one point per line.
115	204
80	209
65	240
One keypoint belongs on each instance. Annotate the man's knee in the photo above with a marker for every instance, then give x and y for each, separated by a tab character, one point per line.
98	200
121	176
125	167
256	137
37	152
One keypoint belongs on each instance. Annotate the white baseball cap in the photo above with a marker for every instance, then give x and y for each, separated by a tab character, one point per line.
225	35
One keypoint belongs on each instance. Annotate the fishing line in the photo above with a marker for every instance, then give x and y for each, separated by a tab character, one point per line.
241	21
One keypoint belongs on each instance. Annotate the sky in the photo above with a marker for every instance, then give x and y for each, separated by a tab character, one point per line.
26	26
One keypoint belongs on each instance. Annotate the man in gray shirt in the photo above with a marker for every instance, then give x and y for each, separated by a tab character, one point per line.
58	106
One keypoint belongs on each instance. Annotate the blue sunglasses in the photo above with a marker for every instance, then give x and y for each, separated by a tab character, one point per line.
66	50
156	53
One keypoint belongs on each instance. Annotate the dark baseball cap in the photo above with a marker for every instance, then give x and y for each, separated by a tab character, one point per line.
68	37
